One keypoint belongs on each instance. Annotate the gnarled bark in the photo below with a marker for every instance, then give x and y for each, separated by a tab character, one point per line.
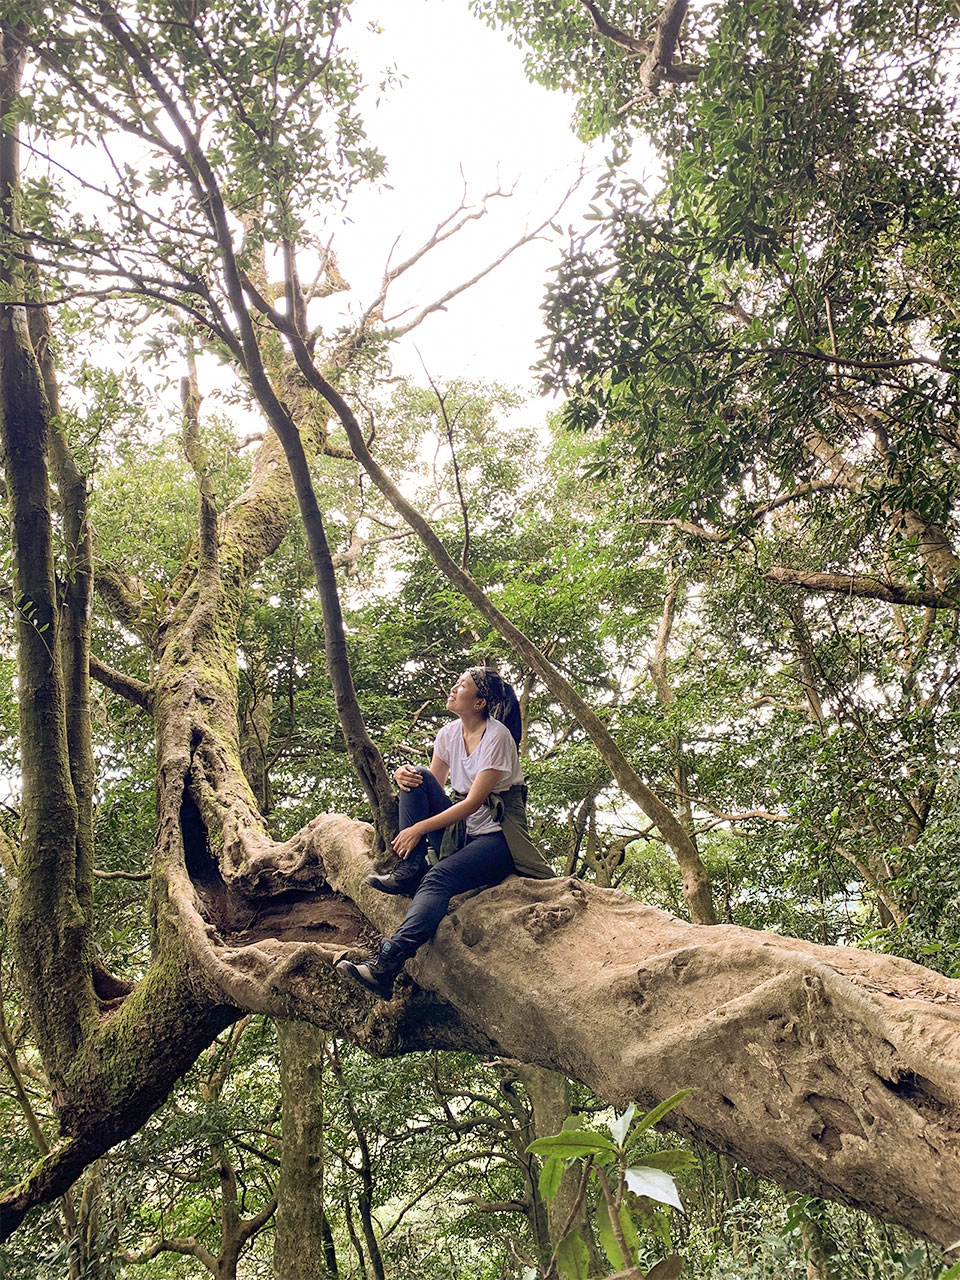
830	1070
834	1071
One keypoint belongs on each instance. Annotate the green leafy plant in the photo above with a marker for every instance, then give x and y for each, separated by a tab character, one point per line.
625	1180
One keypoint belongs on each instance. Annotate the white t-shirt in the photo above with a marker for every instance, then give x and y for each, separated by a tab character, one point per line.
495	750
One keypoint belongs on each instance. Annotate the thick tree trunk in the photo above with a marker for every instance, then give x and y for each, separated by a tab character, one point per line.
549	1094
49	920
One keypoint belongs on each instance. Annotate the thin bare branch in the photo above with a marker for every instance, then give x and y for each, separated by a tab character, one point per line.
449	226
687	526
448	427
439	304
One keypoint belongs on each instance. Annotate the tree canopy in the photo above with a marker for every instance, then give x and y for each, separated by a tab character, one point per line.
723	575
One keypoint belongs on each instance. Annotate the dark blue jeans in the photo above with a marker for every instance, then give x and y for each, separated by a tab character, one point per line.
483	860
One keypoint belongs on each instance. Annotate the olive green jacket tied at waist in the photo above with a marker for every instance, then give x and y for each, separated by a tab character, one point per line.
509	808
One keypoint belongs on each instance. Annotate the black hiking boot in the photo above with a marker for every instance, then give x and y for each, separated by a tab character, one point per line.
403	879
377	972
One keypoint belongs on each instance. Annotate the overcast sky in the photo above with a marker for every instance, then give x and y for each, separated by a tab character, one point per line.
465	104
464	115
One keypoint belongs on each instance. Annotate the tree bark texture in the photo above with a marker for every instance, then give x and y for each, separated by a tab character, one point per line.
831	1070
302	1238
52	944
549	1094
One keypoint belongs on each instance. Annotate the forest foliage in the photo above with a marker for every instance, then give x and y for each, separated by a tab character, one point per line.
736	538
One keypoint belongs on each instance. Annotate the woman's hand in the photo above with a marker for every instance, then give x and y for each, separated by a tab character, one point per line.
406	777
407	840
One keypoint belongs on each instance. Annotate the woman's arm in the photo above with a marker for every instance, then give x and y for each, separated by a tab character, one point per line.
483	784
441	770
407	777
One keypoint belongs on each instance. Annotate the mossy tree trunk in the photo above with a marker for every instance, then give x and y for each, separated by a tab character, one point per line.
303	1244
50	918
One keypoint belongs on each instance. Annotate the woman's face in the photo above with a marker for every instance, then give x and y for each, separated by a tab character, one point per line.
463	697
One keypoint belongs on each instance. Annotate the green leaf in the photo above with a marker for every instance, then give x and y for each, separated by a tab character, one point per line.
628	1227
608	1238
656	1115
550	1177
572	1143
670	1161
654	1183
574	1122
758	101
573	1258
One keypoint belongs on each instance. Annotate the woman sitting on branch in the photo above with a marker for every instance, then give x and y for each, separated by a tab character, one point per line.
450	845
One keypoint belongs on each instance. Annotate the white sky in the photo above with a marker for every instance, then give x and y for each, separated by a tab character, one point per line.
464	113
465	103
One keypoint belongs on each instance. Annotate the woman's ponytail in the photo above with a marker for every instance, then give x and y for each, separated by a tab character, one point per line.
501	699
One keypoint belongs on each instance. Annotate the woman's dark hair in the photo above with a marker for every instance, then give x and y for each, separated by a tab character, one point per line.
500	697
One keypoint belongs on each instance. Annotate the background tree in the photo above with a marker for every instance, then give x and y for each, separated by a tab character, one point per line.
198	237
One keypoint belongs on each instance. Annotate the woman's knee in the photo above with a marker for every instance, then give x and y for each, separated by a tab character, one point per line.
438	879
434	877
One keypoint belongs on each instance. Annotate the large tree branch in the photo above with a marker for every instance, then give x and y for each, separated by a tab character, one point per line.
850	584
124	599
129	687
831	1070
186	1246
861	585
658	65
621	38
873	366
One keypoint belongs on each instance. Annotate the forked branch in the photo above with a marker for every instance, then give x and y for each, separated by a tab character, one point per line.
658	66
